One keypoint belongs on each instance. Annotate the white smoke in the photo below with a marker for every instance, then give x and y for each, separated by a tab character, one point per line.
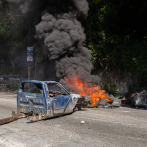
82	6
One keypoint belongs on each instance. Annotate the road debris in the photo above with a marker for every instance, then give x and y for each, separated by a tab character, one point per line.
82	122
139	99
11	119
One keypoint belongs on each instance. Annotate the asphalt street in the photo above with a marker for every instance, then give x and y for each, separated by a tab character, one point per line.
120	127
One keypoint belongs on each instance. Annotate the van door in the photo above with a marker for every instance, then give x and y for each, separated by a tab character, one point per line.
59	104
59	98
31	98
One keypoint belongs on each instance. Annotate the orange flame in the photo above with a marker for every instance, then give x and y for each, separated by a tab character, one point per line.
84	89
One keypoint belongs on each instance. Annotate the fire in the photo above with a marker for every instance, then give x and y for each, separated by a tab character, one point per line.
95	93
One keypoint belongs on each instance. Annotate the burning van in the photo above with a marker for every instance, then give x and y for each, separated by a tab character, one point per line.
43	99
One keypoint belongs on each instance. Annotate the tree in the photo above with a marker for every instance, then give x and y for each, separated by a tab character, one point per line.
12	34
117	34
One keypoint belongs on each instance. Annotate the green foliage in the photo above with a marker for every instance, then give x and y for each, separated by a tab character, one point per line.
4	28
12	34
3	4
117	35
113	89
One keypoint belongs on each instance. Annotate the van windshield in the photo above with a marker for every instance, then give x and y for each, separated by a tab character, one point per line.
55	89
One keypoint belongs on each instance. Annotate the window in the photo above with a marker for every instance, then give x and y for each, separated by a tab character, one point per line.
32	88
56	89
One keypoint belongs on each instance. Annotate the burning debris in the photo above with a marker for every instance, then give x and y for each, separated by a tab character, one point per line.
95	93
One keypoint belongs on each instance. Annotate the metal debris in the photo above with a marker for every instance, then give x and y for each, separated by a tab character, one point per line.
11	119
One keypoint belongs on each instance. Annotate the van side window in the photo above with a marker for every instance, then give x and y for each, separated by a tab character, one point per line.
32	88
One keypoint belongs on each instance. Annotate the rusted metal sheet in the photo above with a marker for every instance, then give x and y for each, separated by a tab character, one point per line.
8	120
13	118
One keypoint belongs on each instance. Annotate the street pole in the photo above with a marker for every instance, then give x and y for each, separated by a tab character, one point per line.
29	76
29	73
11	12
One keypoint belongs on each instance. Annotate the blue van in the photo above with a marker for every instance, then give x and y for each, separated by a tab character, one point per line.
38	100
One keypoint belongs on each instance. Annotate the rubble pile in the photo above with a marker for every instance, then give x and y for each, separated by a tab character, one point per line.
105	104
139	99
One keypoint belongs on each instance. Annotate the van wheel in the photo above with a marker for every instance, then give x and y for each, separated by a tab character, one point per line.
79	107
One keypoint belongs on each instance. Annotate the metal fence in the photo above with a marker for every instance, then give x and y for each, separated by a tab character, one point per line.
9	82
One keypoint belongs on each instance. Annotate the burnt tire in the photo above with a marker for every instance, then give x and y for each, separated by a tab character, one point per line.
94	106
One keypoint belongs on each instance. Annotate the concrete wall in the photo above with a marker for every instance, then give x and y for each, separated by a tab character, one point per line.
117	80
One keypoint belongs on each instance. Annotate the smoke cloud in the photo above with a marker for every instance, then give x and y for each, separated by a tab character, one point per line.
64	37
24	5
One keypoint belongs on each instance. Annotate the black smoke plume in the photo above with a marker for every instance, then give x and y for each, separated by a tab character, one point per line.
64	36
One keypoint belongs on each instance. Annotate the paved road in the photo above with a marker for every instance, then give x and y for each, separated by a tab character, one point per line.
122	127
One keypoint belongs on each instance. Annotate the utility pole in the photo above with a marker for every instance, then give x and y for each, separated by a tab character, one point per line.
11	12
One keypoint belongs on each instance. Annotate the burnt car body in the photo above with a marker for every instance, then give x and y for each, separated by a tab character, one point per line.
38	100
